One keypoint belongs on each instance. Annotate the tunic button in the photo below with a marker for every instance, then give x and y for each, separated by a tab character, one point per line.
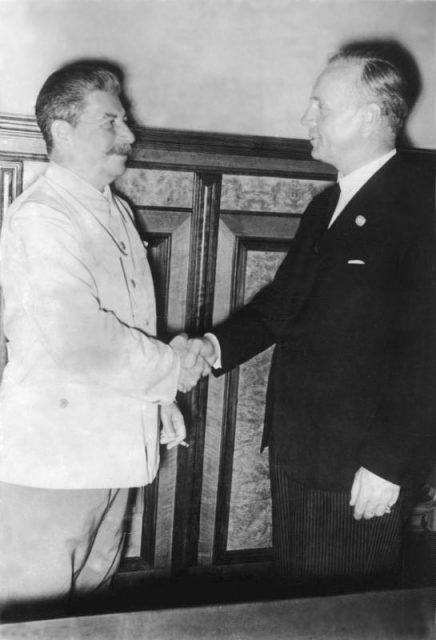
63	402
133	283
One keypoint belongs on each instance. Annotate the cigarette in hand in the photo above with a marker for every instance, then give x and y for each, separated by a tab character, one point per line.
184	444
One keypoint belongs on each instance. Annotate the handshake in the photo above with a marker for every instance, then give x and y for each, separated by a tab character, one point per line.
197	356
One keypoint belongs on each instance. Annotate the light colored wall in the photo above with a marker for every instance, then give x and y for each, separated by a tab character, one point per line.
236	66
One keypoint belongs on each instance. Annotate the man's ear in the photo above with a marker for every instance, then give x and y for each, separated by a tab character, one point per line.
372	116
61	132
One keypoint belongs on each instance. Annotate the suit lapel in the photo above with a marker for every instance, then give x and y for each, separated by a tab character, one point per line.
371	200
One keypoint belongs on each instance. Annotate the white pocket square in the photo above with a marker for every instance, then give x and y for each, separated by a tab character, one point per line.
356	262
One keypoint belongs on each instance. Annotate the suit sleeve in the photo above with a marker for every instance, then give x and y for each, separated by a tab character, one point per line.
53	296
262	322
253	328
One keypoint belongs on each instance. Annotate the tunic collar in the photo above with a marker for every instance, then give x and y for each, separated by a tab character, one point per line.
77	186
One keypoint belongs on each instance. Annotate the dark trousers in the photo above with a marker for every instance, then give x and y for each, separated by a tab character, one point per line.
317	542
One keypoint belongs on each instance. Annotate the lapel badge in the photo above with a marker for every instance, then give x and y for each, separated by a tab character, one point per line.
360	221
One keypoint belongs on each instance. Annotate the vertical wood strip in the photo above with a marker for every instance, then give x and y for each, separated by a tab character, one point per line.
221	554
178	279
199	311
11	179
229	415
215	402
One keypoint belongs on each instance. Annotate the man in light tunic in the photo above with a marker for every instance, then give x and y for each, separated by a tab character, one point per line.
86	377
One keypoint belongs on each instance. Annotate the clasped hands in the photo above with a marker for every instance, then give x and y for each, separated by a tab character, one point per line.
197	355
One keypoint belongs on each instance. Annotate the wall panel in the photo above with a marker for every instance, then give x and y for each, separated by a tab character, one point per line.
218	214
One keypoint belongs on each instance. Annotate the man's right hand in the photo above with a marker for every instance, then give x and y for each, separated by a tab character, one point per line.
204	348
193	365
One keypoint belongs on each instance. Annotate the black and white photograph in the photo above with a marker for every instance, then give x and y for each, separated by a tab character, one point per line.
217	319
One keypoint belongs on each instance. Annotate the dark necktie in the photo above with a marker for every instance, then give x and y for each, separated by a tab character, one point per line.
331	203
333	200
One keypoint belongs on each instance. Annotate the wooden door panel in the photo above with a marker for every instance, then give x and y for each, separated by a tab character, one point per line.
11	177
209	507
235	512
167	233
260	218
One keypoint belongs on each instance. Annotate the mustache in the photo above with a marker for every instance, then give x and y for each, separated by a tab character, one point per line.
120	150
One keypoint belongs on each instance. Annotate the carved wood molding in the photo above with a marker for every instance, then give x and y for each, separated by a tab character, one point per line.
11	179
159	250
204	238
193	150
199	308
20	137
159	257
221	554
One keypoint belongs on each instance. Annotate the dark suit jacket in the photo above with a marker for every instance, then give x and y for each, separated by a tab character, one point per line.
351	311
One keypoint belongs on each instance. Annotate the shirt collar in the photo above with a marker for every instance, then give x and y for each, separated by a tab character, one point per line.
352	182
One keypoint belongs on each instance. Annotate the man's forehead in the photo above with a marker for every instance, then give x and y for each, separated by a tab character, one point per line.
345	72
101	103
337	77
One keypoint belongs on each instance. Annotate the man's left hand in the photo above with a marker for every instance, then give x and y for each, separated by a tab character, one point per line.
371	495
173	425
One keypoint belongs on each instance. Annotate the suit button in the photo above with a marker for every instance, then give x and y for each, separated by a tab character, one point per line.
315	248
63	402
133	283
123	246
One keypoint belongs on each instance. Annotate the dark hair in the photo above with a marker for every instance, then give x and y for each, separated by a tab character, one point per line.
63	94
382	79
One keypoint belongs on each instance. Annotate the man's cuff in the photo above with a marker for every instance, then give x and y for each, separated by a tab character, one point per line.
216	345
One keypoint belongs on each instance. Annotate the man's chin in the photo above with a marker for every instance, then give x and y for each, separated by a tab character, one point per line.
317	154
117	166
314	152
120	158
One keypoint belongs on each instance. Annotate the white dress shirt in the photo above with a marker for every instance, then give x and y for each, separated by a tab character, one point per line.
352	182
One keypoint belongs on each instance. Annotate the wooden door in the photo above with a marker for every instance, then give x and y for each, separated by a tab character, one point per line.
214	240
259	216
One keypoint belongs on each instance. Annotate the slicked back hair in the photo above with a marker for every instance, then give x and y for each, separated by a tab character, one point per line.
383	82
63	94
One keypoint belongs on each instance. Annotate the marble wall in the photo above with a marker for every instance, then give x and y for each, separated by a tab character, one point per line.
264	194
250	504
157	188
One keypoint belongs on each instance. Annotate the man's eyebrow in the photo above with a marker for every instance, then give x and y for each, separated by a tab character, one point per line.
114	115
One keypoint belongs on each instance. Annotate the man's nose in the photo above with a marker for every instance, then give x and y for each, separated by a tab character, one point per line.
126	134
307	117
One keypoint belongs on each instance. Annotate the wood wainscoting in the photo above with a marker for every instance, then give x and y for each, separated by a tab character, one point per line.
218	213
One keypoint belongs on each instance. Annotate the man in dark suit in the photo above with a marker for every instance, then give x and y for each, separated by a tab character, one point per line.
351	311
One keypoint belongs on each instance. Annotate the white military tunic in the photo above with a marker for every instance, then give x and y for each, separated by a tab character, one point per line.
85	374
